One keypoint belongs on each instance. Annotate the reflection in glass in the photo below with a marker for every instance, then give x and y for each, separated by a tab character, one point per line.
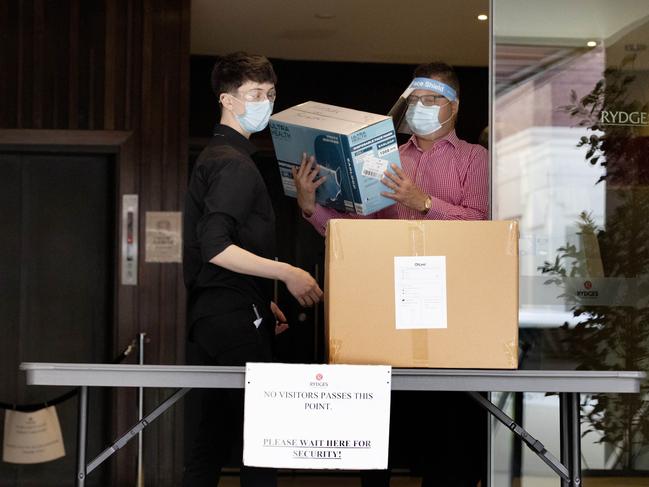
571	164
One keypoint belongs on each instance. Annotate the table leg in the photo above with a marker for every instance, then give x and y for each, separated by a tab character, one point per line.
564	425
575	443
535	445
570	437
82	436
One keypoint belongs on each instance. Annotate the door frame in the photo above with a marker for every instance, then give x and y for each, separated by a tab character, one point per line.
121	145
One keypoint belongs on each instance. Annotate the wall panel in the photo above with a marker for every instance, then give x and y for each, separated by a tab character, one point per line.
116	65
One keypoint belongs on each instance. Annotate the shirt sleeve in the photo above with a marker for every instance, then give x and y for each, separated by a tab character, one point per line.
229	198
322	215
475	198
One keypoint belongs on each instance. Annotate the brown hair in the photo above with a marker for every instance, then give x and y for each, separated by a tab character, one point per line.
233	70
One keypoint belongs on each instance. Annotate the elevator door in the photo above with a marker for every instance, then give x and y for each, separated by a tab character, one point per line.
56	289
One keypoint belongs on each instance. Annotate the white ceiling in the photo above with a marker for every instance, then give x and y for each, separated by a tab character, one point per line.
406	31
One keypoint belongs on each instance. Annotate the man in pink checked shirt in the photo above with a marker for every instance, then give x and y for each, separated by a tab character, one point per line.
441	178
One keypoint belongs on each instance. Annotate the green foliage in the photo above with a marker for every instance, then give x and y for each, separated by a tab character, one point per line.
612	337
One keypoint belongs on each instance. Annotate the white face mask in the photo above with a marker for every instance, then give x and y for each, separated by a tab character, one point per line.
423	120
256	115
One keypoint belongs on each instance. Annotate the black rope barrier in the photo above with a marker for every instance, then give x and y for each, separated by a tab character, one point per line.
29	408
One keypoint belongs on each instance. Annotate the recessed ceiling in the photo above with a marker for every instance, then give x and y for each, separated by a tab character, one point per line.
403	32
384	31
567	22
526	29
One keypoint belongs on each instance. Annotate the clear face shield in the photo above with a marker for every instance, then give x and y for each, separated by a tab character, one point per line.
440	95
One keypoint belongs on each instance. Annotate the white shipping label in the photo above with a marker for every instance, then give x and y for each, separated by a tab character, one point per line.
420	292
373	167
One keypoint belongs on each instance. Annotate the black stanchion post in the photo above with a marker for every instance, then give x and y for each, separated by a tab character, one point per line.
565	432
575	440
140	415
82	436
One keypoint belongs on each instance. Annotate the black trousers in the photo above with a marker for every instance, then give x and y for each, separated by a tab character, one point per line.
440	436
227	339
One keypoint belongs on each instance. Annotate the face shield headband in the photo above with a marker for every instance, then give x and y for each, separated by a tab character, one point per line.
431	85
398	111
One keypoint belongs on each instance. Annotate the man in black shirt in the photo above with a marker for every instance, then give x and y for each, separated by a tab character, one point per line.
229	240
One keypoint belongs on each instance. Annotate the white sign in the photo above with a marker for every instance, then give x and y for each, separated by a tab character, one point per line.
163	236
420	292
32	437
317	416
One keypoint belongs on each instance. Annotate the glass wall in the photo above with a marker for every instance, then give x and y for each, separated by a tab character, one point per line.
570	148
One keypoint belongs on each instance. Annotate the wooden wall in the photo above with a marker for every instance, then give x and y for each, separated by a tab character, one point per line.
121	67
116	65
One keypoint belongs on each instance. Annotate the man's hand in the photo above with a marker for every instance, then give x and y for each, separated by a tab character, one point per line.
404	190
280	319
306	182
302	286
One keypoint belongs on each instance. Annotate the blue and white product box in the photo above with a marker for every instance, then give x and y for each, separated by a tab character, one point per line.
353	150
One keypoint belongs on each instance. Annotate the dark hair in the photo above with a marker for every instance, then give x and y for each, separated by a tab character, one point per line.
440	70
233	70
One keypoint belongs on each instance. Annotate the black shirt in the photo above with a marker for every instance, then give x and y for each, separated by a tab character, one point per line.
227	203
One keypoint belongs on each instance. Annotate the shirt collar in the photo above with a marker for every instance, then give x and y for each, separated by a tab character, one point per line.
234	138
450	138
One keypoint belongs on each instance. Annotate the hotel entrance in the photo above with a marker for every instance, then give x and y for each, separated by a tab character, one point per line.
570	154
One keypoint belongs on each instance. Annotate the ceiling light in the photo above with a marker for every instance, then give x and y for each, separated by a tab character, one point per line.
482	17
591	43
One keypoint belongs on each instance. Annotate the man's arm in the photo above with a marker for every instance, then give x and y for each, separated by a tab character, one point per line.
299	283
228	201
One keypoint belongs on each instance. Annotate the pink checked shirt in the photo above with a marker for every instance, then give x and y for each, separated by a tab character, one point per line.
453	172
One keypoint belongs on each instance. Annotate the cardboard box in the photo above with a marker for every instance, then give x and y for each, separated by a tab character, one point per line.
353	149
422	293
